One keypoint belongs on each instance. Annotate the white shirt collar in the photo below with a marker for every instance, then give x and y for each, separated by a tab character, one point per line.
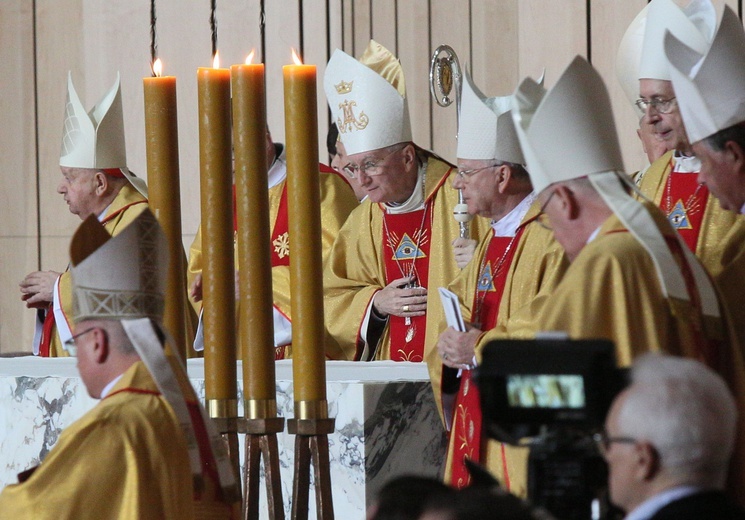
594	235
107	388
742	209
649	507
684	164
507	225
416	200
277	170
103	214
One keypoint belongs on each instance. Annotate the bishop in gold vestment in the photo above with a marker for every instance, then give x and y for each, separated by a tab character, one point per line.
536	267
337	201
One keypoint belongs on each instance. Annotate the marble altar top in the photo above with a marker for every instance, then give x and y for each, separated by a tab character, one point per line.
336	371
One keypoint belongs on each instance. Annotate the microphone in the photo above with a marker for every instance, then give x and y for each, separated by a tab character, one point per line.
462	216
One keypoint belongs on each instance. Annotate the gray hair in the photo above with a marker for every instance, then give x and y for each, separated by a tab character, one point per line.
117	336
519	172
685	410
736	133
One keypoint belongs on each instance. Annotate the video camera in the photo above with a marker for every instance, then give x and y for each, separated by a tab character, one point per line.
556	392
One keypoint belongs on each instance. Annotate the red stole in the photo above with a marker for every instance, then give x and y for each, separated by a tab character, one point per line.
406	243
684	201
467	426
280	244
280	236
709	350
46	333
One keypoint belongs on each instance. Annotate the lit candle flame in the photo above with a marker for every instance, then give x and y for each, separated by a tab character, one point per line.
158	68
250	57
216	60
296	58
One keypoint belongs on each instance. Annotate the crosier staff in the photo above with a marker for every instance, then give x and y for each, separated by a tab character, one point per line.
444	73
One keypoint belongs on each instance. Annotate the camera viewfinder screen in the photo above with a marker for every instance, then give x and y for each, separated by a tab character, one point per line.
546	391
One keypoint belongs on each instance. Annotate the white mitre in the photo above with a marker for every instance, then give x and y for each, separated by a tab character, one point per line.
628	58
485	127
368	99
694	25
710	89
121	277
95	139
576	115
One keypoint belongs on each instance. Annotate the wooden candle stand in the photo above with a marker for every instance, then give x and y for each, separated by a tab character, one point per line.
311	444
228	429
261	439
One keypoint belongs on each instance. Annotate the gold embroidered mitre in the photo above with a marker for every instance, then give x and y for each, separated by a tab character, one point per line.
107	283
368	99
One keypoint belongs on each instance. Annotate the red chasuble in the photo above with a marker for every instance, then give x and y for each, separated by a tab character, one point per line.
406	243
684	202
467	410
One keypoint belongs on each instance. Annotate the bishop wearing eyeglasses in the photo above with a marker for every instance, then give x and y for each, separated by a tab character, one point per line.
397	245
673	182
514	263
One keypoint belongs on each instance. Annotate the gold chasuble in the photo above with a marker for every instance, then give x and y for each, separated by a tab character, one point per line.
612	291
131	462
127	205
716	236
373	249
337	202
506	274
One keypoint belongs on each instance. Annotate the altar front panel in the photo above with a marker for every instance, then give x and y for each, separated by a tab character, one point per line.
386	423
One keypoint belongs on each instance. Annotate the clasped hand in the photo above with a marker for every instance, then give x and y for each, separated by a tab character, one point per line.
398	298
37	287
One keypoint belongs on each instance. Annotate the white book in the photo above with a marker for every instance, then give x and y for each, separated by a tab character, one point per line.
451	304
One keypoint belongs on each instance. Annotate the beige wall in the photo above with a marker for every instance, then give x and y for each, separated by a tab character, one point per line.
500	40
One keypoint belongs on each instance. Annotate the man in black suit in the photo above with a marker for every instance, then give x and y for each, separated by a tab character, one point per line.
668	441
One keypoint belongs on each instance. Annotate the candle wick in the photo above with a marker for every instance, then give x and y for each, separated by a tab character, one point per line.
213	26
153	37
262	28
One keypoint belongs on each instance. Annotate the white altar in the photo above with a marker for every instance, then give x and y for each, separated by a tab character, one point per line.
386	422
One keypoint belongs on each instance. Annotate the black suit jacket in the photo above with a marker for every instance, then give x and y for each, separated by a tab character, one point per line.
707	505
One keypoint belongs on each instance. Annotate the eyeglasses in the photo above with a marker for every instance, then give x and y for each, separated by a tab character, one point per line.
467	173
663	106
542	218
370	167
70	345
604	442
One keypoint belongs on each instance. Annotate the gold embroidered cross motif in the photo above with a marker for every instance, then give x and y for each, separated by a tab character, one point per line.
282	245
